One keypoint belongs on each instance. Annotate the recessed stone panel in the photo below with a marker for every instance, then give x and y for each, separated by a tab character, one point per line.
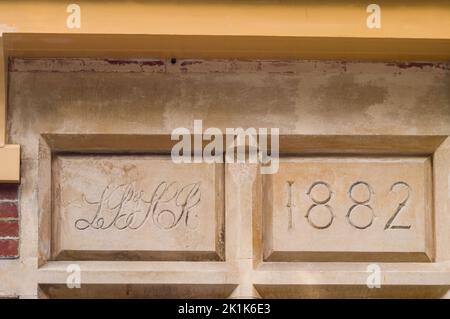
139	207
348	209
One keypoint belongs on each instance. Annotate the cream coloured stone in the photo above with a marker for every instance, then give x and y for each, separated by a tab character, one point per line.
136	207
94	108
349	209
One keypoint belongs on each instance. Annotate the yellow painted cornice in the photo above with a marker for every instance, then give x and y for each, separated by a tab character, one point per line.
338	18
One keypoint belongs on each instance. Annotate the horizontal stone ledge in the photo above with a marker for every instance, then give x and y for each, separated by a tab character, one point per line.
139	272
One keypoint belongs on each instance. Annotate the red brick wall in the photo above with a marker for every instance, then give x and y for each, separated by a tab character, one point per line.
9	221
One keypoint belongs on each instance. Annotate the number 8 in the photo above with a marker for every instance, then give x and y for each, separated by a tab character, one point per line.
363	203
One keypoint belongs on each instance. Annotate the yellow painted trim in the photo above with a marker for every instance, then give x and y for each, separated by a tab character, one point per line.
286	18
10	163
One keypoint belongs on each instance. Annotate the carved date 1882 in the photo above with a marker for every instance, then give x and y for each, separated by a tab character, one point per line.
358	203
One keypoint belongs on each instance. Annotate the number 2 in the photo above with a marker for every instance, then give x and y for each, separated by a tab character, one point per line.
400	206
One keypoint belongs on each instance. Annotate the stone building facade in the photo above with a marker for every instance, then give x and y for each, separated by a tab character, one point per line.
93	205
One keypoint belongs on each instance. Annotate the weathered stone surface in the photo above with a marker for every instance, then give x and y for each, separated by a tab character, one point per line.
349	209
365	111
136	207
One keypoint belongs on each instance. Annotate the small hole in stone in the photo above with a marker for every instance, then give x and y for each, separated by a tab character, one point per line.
173	60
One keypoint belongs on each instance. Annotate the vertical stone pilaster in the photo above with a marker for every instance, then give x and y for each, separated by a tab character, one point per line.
239	199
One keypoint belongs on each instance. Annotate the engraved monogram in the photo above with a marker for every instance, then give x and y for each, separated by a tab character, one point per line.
125	207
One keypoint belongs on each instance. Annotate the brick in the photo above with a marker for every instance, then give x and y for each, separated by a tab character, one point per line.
8	191
8	210
9	248
9	228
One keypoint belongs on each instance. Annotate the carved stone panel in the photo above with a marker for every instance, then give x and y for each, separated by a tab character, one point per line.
137	207
363	179
348	209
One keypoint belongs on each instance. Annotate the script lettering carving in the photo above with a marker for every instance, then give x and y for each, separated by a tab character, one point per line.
125	207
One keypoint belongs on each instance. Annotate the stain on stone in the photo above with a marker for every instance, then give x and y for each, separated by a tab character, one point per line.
191	62
343	92
153	63
128	62
121	62
270	98
420	65
435	103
